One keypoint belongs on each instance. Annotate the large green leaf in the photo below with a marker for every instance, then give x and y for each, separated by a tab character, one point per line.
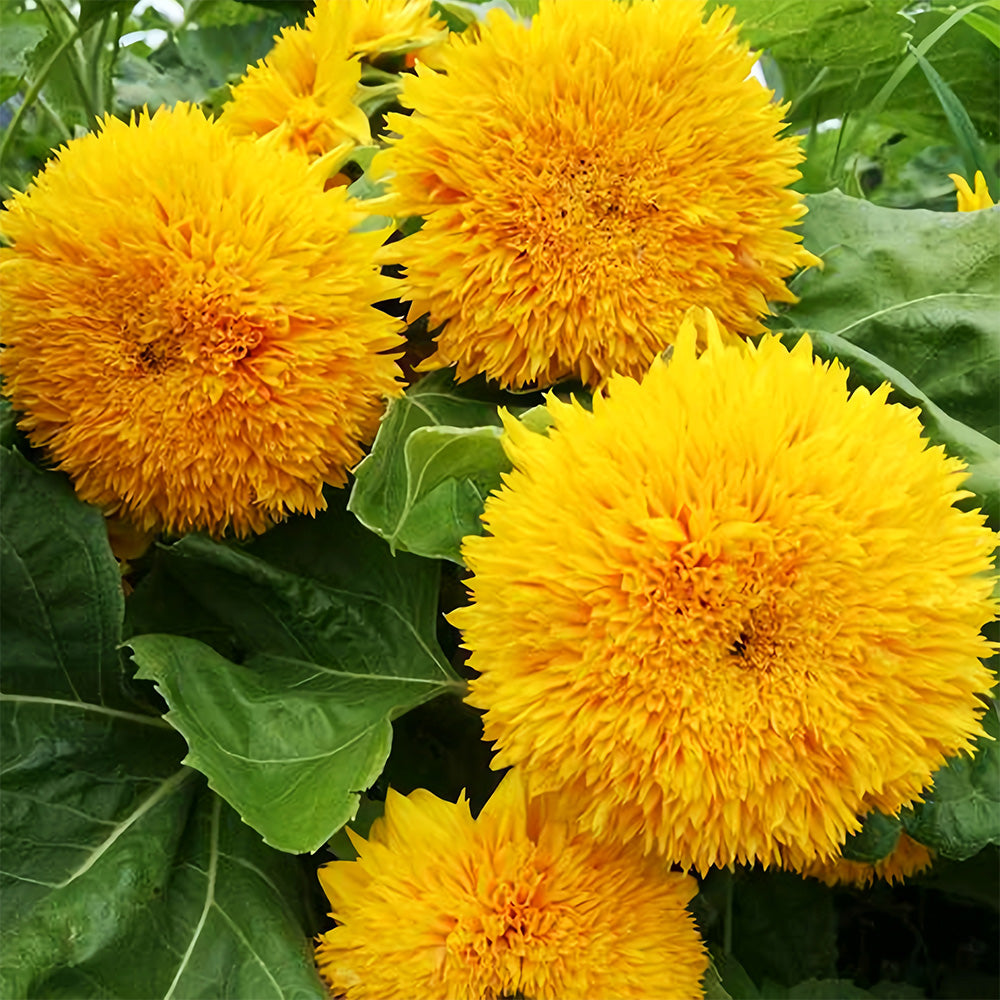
835	56
961	812
321	637
783	927
18	36
917	290
107	848
435	459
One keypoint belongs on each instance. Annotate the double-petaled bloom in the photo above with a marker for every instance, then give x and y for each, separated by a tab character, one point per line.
583	180
189	325
733	608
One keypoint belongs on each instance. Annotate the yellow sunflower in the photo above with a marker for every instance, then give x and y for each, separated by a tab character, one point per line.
302	94
188	325
380	27
970	200
584	179
731	608
515	902
908	857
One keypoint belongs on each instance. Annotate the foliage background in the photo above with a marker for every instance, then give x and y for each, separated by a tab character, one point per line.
174	749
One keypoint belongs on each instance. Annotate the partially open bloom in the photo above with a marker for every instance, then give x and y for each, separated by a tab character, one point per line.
730	609
303	93
584	179
970	200
515	902
189	326
387	26
909	857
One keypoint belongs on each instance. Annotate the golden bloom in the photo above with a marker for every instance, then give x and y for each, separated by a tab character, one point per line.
516	902
908	857
969	200
584	179
302	94
385	26
730	609
189	326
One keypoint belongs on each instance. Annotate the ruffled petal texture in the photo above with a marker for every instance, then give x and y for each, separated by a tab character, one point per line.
584	179
189	326
731	609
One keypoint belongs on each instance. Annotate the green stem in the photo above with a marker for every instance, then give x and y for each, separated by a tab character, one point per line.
34	90
75	65
96	59
113	60
64	130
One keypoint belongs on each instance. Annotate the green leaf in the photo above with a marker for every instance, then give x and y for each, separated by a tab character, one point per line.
733	979
139	83
290	743
221	55
985	26
435	459
92	11
836	57
332	638
915	289
960	123
784	928
876	839
18	37
61	598
961	814
8	424
106	847
981	455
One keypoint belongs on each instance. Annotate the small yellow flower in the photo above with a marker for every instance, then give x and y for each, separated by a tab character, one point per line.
379	27
516	902
908	857
730	609
189	326
302	94
969	200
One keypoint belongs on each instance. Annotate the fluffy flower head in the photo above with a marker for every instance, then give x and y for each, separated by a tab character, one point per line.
908	857
188	325
583	180
730	609
515	902
970	200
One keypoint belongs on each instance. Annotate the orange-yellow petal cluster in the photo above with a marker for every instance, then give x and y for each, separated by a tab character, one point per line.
584	179
908	857
517	902
731	608
189	327
303	94
969	199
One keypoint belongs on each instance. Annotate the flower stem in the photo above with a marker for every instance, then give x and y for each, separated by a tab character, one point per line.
34	90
